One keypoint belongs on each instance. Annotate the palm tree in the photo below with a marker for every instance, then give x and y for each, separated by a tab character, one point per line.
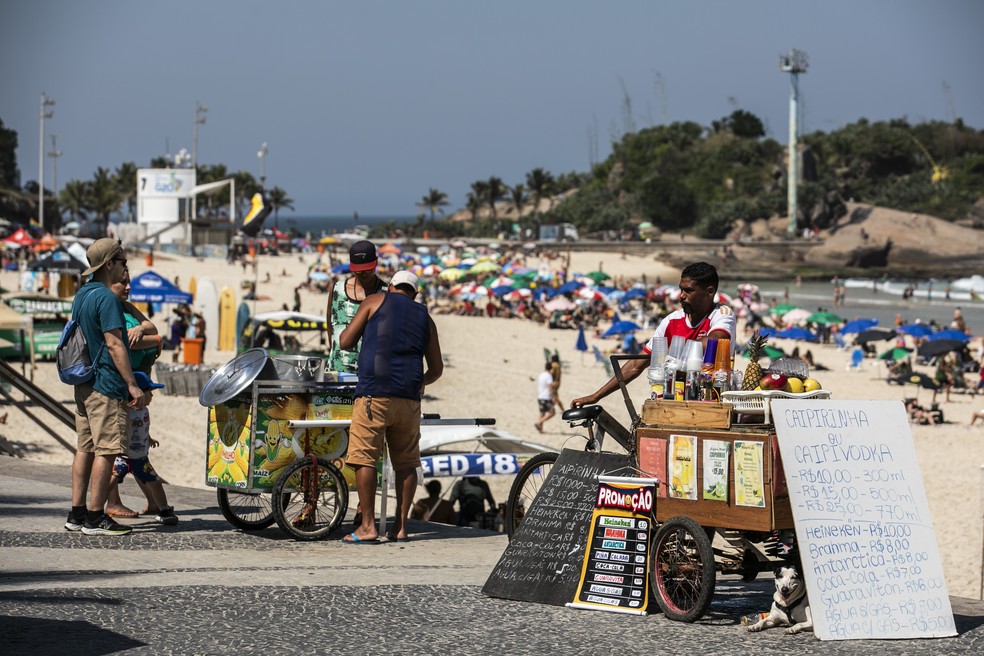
540	184
125	182
496	190
104	198
474	205
434	201
278	198
74	197
477	197
518	198
246	186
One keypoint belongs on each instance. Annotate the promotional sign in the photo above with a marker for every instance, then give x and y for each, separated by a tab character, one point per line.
863	526
614	576
473	464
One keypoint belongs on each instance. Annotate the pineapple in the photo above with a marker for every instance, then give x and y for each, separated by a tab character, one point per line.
753	372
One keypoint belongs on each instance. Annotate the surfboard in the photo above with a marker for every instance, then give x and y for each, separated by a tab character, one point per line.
193	285
242	317
227	320
207	302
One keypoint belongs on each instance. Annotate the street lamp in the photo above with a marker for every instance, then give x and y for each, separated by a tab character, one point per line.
262	155
45	113
54	154
200	110
794	63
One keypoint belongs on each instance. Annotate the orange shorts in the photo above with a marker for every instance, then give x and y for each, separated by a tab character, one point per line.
101	423
398	420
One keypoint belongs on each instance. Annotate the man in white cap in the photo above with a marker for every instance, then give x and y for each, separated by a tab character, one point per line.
102	403
398	336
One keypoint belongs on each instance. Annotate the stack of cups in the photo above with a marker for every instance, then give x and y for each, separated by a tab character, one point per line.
675	362
721	375
695	361
657	371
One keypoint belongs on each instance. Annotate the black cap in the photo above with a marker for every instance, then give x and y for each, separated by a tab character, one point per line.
362	256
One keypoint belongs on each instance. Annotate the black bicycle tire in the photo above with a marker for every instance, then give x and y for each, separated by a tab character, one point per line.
285	516
528	470
672	575
240	520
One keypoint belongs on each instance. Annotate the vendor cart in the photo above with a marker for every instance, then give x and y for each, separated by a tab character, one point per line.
722	501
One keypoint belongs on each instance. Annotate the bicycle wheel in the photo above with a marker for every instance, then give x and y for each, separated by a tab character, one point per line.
317	498
247	511
525	487
682	569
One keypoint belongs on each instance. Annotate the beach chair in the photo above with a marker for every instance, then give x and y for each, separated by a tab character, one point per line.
857	358
603	360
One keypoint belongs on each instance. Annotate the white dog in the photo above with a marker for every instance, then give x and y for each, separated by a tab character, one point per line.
790	606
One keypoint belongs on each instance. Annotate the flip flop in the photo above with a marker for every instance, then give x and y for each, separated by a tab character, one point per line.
392	538
352	538
123	514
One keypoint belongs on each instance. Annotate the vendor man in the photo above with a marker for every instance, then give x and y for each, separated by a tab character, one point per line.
700	317
398	336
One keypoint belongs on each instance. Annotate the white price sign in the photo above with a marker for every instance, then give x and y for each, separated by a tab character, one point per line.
863	527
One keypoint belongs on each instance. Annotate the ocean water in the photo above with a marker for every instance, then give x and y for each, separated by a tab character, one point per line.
320	226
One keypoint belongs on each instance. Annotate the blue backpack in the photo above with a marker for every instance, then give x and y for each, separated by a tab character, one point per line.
72	356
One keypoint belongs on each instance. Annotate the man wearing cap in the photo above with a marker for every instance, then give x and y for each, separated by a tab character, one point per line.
344	301
398	336
102	404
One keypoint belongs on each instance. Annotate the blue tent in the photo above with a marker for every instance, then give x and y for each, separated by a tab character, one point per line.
149	287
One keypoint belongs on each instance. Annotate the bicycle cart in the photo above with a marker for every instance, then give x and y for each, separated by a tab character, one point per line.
708	518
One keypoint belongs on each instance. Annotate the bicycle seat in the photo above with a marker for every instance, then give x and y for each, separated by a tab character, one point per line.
589	412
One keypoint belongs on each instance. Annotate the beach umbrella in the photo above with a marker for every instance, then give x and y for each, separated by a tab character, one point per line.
723	298
797	333
858	325
895	353
916	378
940	346
499	281
458	243
559	303
483	266
581	344
518	294
916	330
825	317
635	292
874	335
590	294
327	240
390	247
771	352
795	315
621	328
431	270
597	276
501	290
949	334
782	308
452	274
767	331
569	287
340	268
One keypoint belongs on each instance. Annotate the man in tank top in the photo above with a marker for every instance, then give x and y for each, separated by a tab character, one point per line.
398	337
344	300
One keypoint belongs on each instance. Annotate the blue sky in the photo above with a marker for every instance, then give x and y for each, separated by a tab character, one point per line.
365	105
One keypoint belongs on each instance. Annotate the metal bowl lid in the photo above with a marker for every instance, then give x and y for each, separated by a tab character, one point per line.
233	377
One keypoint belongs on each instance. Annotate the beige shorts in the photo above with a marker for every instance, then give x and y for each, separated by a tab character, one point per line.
102	423
396	419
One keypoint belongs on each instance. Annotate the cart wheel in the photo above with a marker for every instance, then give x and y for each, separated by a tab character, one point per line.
526	486
316	498
247	511
682	569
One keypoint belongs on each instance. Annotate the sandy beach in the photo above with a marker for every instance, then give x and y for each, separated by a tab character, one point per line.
491	367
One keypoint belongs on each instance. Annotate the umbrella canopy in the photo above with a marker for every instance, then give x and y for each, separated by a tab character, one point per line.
581	344
502	290
858	325
825	317
940	346
58	259
569	287
149	287
451	274
390	247
598	276
915	378
635	292
621	328
431	270
916	330
771	352
559	303
797	333
795	316
896	353
20	238
783	308
341	268
499	281
484	266
874	335
590	294
950	334
519	294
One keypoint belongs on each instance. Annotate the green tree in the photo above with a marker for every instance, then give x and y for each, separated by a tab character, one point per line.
434	201
495	190
474	204
74	197
104	198
480	192
246	187
540	183
517	195
278	199
125	181
9	175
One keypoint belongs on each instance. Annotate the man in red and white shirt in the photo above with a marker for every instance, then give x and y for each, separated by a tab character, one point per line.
699	317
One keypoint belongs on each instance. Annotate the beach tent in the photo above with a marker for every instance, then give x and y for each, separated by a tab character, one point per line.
149	287
20	238
58	260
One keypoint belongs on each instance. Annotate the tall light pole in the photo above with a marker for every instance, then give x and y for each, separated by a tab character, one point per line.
200	110
45	113
794	63
262	153
54	154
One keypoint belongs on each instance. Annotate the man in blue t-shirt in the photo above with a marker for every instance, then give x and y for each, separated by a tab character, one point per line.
398	336
102	404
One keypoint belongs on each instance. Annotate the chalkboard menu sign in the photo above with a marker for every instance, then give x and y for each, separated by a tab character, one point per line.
863	526
542	562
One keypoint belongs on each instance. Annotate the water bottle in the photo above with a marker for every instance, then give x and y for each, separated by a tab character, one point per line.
754	618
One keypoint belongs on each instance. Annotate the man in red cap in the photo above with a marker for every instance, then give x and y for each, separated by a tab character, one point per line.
344	301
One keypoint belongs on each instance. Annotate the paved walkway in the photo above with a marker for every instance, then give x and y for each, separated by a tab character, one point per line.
202	587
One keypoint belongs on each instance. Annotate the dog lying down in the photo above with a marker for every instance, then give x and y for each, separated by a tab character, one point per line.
790	606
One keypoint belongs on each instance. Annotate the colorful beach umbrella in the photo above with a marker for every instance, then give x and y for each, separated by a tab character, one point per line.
597	276
825	317
949	334
483	266
797	333
782	309
858	325
895	353
916	330
621	328
581	344
795	316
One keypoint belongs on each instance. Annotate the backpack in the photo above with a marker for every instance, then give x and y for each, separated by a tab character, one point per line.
72	355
